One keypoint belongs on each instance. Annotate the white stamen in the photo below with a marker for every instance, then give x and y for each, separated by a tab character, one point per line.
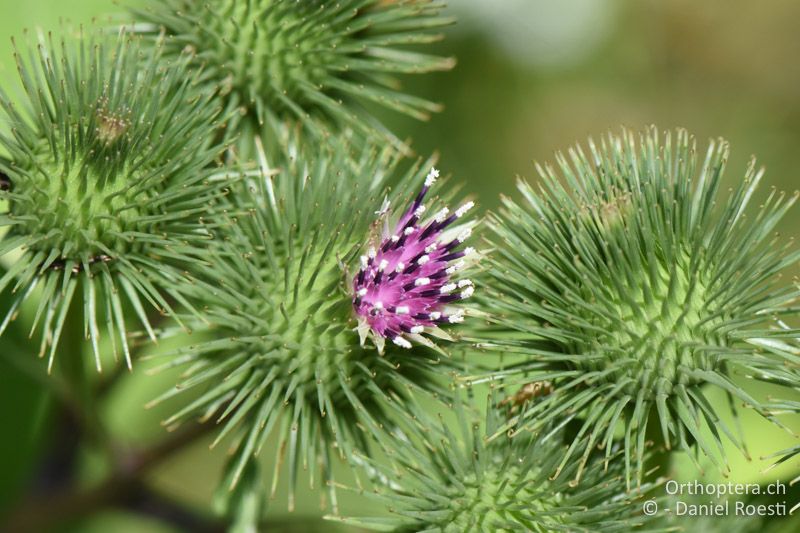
469	250
362	292
377	305
408	231
383	264
430	179
395	238
464	208
424	259
431	247
419	282
399	268
371	253
466	293
417	329
441	215
464	283
436	315
456	266
400	341
418	211
464	235
384	208
402	310
456	318
363	262
450	287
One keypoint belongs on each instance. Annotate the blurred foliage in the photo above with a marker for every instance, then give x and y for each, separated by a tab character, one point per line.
532	77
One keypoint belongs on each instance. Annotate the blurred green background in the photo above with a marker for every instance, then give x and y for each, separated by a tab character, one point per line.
533	76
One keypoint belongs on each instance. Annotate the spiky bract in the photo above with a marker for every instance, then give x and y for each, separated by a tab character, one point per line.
445	476
284	354
107	180
310	61
631	281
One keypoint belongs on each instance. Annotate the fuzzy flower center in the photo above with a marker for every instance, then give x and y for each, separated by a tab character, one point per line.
406	284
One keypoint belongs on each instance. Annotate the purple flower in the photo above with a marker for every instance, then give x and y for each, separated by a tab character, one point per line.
406	286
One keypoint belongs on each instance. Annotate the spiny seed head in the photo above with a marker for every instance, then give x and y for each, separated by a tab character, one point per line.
312	62
283	355
632	279
405	284
105	180
450	477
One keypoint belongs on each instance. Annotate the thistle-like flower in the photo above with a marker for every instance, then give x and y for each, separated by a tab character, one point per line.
405	286
631	283
106	181
308	61
282	355
451	478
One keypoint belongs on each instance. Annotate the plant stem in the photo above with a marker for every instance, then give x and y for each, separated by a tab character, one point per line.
125	482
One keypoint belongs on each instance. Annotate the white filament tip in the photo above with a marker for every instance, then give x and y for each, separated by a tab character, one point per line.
430	179
455	319
384	208
400	341
461	211
456	266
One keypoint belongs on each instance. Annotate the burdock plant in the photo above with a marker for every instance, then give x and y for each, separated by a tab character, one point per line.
221	165
107	175
632	280
305	286
451	477
314	62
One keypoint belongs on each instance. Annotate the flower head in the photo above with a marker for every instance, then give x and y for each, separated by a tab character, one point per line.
450	477
634	282
313	62
105	188
406	286
278	355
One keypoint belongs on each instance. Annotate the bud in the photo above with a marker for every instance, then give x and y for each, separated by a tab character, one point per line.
108	187
297	61
632	282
